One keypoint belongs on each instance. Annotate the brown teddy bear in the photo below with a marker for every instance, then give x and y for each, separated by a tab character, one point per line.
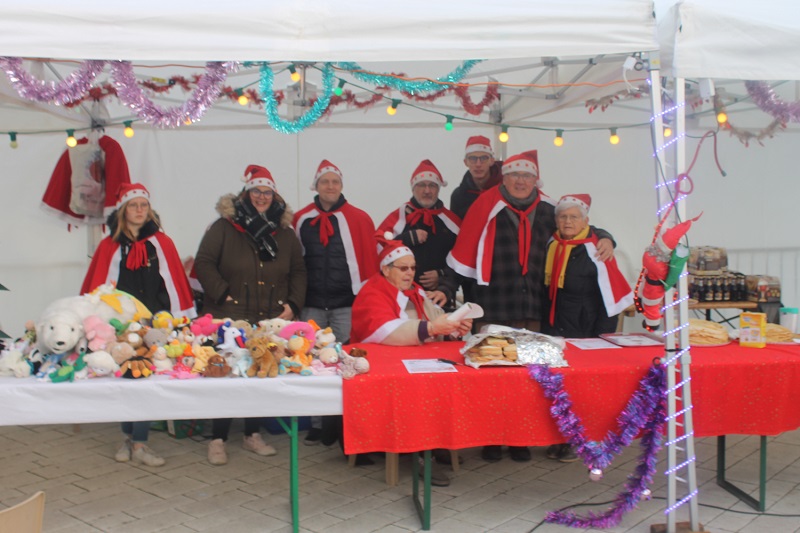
217	367
264	354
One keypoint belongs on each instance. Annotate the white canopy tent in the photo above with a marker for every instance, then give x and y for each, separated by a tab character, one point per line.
538	42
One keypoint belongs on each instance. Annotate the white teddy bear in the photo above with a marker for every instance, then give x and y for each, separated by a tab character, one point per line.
59	331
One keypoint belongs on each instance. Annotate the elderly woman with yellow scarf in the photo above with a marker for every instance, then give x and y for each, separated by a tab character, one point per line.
585	293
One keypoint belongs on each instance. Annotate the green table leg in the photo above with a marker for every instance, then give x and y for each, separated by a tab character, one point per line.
294	476
761	503
424	508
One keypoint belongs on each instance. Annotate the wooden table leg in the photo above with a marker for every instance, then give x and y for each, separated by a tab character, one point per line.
392	468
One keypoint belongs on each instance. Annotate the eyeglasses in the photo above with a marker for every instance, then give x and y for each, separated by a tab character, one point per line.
568	218
520	176
257	192
404	268
478	158
426	185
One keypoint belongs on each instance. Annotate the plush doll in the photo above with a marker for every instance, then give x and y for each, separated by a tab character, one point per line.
163	320
133	336
201	356
120	351
263	352
231	338
239	361
100	363
327	362
161	361
98	333
299	360
156	337
69	370
13	363
204	325
353	363
138	366
217	367
245	327
58	332
323	338
273	326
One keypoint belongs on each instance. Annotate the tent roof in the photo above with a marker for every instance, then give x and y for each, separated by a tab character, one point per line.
733	39
324	30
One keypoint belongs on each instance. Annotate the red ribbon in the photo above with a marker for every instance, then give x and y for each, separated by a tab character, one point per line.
425	214
325	226
416	298
137	256
524	233
558	261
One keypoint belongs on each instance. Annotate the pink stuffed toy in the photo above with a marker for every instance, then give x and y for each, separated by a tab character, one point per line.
204	325
98	332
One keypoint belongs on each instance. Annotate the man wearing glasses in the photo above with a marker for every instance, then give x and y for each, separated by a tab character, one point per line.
502	245
483	173
429	230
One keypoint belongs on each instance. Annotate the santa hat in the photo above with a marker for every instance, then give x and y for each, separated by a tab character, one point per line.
325	167
478	143
257	176
583	201
524	162
392	250
427	171
129	191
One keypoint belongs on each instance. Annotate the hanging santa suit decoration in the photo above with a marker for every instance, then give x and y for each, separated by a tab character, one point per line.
84	184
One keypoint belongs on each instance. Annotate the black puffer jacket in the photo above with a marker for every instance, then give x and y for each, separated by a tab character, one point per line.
329	283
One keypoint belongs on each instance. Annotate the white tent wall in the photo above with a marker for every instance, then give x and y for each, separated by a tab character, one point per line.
188	170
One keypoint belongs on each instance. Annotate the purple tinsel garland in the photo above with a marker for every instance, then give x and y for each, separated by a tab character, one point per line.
73	88
644	413
201	99
767	101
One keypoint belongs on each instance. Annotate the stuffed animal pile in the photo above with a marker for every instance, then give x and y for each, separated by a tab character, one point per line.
111	334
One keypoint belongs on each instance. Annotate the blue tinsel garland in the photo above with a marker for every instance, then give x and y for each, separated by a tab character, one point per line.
309	117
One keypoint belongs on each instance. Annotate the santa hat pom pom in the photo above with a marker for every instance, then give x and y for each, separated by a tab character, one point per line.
388	235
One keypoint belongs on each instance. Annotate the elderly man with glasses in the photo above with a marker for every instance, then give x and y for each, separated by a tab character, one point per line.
429	229
502	245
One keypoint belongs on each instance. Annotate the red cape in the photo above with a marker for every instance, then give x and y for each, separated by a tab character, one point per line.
105	269
57	196
396	221
378	310
357	231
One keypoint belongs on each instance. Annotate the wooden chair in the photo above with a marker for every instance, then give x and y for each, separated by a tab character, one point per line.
25	517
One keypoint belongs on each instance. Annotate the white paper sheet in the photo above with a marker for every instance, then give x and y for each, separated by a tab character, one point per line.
427	366
592	344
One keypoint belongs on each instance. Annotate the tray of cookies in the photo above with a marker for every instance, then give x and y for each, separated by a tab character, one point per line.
513	347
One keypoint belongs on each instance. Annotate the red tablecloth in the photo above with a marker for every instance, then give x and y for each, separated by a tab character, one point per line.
735	391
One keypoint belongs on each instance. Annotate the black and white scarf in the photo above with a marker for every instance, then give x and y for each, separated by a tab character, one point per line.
260	227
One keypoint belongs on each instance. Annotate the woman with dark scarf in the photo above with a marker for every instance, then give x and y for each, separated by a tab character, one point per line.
250	265
141	260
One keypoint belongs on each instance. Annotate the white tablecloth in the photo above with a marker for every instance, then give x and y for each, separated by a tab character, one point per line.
31	402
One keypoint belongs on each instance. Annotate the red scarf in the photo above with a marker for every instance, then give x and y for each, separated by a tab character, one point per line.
137	256
425	214
416	298
524	232
325	226
558	265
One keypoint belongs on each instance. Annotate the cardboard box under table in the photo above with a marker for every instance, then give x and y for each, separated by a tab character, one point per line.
735	390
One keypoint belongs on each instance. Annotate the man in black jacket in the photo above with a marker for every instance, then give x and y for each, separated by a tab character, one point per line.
483	173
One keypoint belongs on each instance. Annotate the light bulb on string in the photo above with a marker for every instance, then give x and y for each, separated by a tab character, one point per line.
241	97
667	131
449	124
503	137
128	132
72	142
722	117
614	138
340	88
293	73
392	109
13	136
559	139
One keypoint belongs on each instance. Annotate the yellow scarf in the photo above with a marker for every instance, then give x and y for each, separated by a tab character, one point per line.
551	255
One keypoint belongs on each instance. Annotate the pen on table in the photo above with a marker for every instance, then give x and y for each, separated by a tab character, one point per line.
454	363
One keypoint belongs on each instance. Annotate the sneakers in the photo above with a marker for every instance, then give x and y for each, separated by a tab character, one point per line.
216	452
519	454
561	452
146	456
439	477
123	455
313	437
254	443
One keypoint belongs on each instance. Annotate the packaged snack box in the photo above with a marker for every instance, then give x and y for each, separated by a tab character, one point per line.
753	330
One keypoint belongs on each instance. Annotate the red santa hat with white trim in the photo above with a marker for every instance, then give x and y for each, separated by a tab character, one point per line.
324	168
427	171
392	250
478	143
258	176
582	201
129	191
524	162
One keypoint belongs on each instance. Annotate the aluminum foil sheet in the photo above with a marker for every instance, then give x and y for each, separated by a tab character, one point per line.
532	348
